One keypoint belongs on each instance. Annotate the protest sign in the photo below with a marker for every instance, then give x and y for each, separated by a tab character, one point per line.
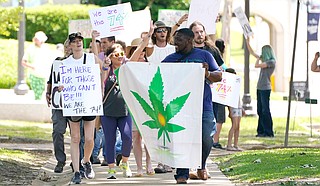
227	91
205	11
81	95
136	22
167	109
56	101
243	20
82	25
171	17
110	20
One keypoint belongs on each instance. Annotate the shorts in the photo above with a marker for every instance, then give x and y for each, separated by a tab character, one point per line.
236	112
78	118
219	112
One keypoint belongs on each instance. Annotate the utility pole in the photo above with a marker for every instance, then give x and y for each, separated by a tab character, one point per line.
21	87
246	99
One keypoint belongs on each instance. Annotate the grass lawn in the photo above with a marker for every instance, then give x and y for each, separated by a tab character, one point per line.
271	165
277	163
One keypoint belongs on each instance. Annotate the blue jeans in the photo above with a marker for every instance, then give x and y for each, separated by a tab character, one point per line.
265	124
208	123
98	143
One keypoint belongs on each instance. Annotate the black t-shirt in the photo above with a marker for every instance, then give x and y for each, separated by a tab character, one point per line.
215	53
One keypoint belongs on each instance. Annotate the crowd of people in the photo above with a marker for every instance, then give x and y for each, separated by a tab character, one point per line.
115	132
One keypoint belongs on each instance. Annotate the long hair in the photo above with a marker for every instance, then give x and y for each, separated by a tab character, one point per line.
267	53
207	41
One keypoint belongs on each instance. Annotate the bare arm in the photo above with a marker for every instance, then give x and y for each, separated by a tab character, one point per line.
314	66
48	94
250	49
214	76
94	35
177	25
143	44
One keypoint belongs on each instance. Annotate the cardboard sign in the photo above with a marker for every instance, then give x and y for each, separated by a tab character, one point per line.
82	25
81	95
110	20
136	22
171	17
227	91
247	31
167	109
205	11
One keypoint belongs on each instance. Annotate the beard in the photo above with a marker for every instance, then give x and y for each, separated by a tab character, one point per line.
199	41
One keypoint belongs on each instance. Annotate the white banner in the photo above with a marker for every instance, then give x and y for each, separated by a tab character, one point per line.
171	17
81	95
205	11
56	100
227	91
243	20
166	103
110	20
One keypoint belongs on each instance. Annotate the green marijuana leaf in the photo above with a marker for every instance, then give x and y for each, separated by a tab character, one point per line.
159	114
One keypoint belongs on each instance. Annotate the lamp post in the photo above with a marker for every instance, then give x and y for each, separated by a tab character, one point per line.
246	99
21	87
307	80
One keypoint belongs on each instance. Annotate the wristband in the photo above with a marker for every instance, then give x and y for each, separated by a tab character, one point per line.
208	75
105	68
48	93
178	25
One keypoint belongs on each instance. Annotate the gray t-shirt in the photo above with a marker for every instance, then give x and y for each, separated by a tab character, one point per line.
264	82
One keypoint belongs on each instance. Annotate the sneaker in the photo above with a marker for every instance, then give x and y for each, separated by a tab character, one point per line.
88	171
76	179
81	170
118	159
104	163
126	170
217	145
160	169
111	174
59	167
95	160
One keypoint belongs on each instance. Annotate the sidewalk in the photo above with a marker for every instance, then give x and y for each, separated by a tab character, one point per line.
217	177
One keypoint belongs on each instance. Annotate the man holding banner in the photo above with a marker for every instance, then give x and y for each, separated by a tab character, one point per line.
183	40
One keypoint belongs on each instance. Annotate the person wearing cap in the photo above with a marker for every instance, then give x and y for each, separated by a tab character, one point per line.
78	56
185	52
160	39
37	59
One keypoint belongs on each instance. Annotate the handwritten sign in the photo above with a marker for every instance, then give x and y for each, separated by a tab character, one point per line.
209	8
82	25
247	31
110	20
56	101
171	17
81	95
227	91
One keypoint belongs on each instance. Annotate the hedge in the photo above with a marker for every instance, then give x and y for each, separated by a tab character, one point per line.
53	20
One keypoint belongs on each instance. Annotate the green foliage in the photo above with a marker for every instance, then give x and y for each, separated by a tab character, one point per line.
9	20
52	19
271	165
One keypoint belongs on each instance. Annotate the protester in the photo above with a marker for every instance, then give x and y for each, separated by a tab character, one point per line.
115	114
203	41
38	59
185	52
140	55
314	66
59	122
78	56
267	66
160	39
235	113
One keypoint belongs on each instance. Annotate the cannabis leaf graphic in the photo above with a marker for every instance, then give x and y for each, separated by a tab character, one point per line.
160	116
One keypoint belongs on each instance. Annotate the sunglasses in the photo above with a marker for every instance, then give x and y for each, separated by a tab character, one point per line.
160	30
118	54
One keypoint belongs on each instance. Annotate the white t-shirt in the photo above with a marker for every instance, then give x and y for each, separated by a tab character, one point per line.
89	59
159	53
